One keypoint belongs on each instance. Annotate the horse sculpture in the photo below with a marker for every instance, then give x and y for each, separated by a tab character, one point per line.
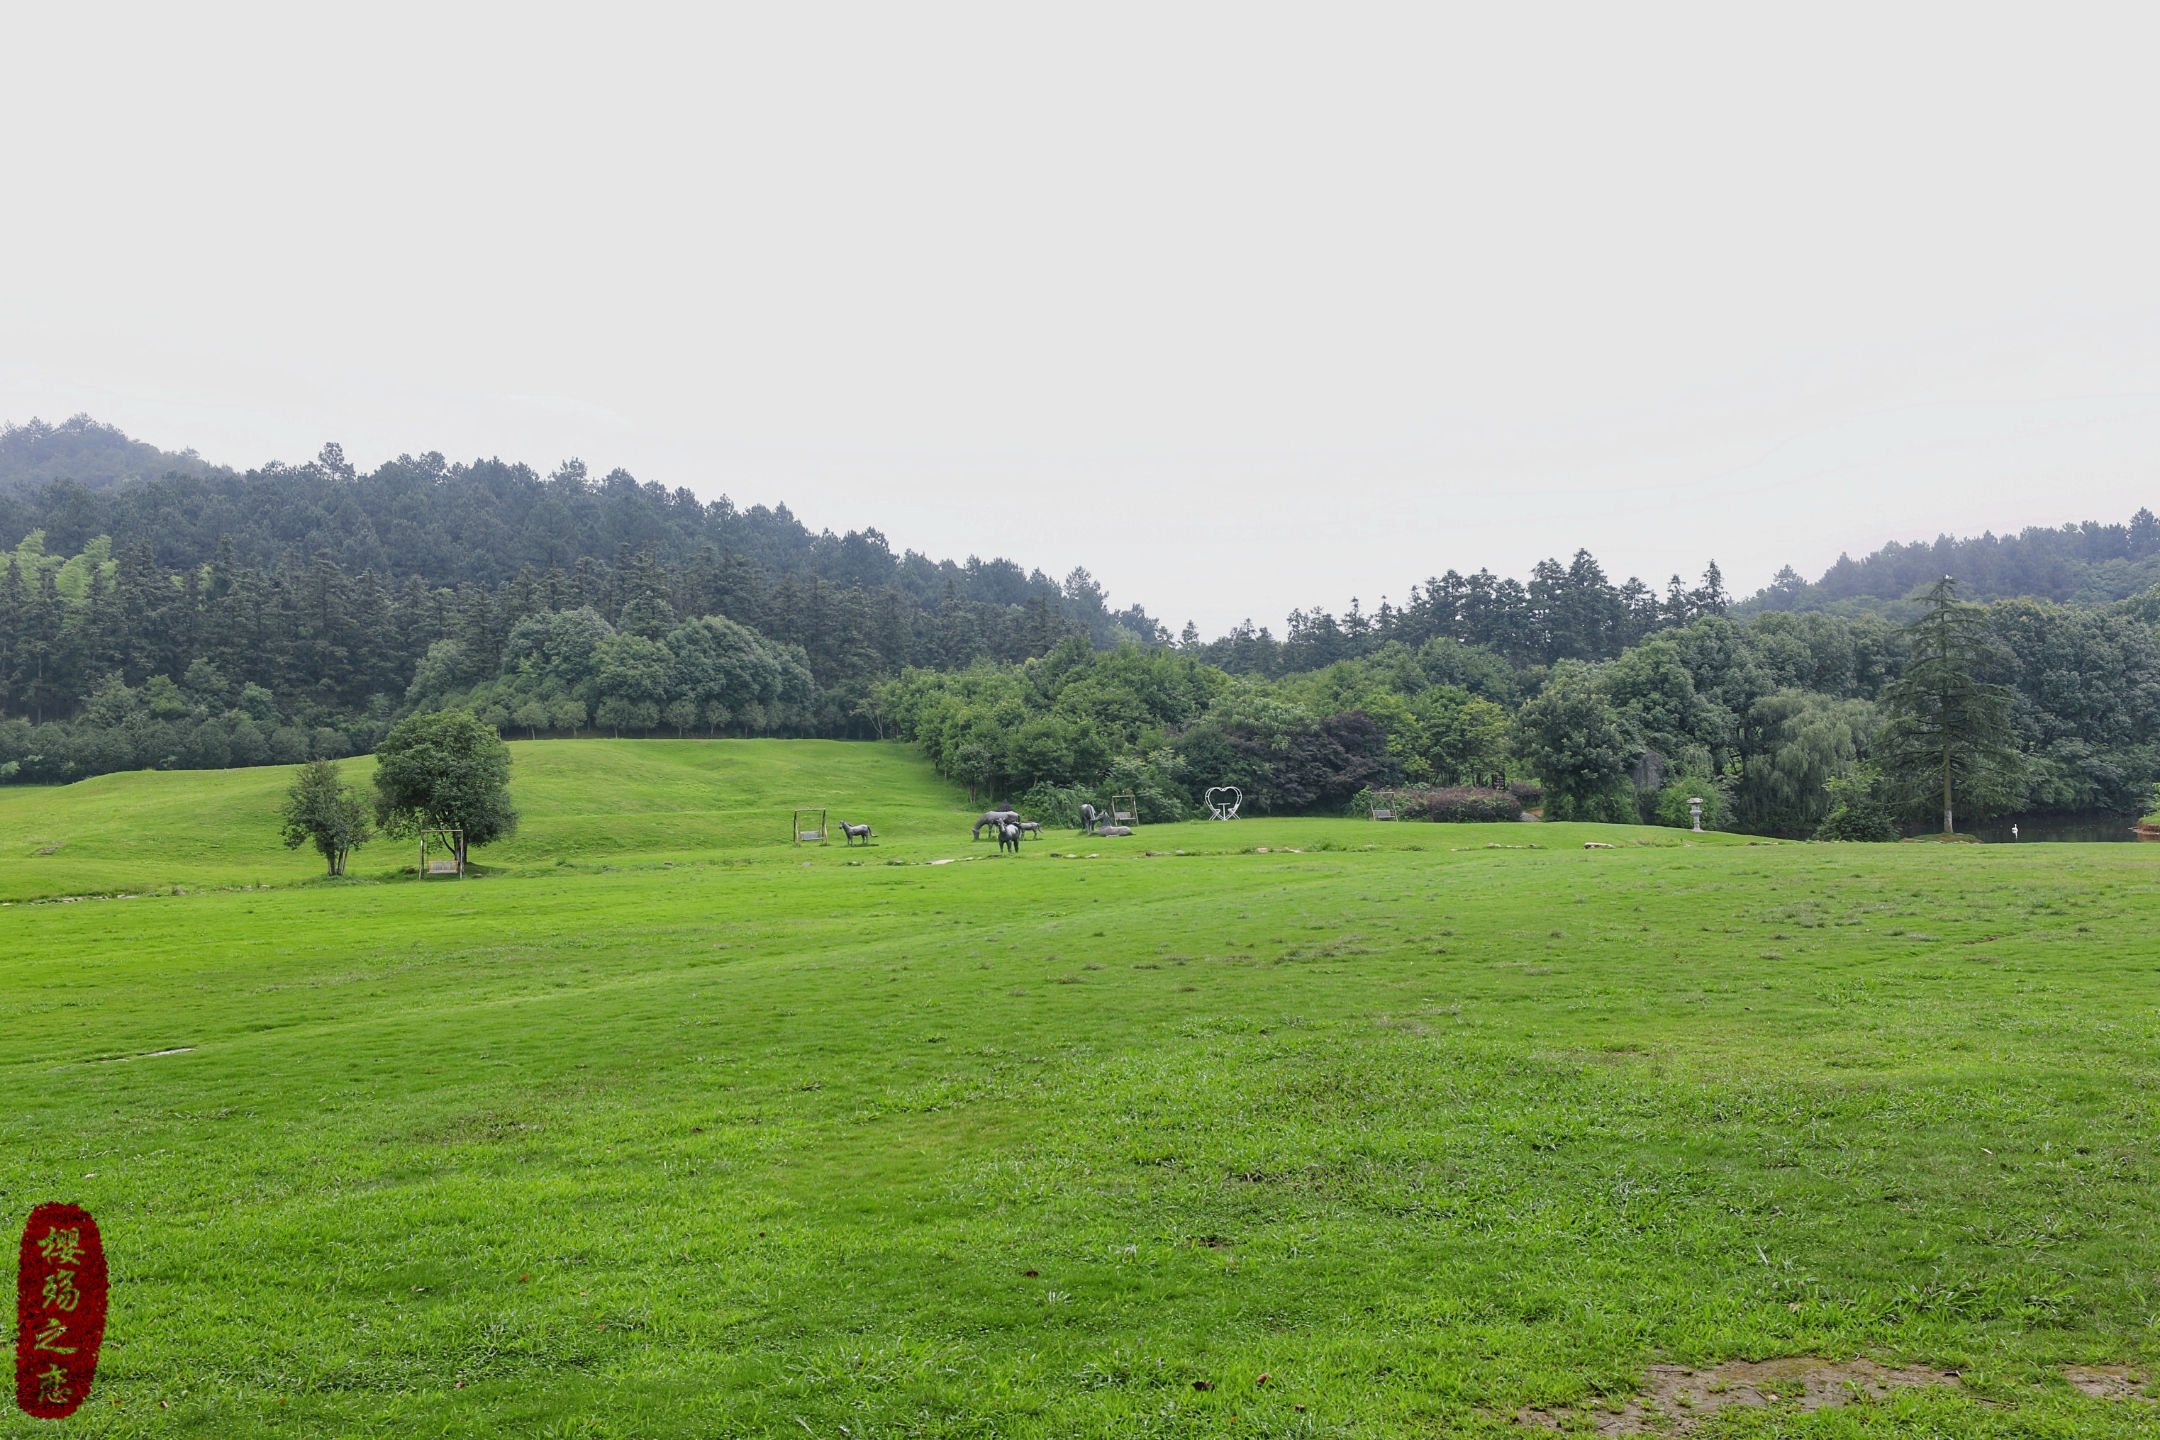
1088	816
1031	827
855	832
1009	837
994	819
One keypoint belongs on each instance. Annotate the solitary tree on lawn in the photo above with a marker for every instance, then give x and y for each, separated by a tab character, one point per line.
321	809
445	771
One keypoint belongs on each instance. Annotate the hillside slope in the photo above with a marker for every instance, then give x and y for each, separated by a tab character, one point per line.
581	802
589	805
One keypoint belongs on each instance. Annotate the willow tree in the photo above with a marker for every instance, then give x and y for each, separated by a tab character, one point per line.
1949	728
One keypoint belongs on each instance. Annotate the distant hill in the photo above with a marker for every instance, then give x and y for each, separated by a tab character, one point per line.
474	523
2088	564
484	521
479	522
80	449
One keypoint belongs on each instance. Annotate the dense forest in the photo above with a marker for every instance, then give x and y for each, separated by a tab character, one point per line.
206	617
1564	612
94	638
485	523
1755	715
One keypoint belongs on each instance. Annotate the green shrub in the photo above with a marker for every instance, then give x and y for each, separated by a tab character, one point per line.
1156	781
1447	804
1053	805
1858	810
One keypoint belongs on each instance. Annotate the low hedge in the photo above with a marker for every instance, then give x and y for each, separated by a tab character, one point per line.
1451	804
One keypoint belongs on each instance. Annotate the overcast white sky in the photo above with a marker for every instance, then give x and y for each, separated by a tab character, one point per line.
1243	307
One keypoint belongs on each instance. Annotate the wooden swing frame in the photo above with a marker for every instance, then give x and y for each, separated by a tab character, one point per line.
441	837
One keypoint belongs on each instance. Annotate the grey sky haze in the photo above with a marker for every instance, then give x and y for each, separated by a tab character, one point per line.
1243	307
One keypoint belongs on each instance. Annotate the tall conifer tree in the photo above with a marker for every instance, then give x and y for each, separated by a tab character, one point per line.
1948	727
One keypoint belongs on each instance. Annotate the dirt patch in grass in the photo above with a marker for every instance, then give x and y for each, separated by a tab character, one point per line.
1676	1398
2107	1382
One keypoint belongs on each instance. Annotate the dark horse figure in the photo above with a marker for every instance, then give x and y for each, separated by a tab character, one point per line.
1088	816
993	818
855	832
1009	837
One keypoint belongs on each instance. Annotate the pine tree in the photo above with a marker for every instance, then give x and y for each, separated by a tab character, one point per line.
38	649
12	603
222	568
323	635
378	668
1947	726
1711	599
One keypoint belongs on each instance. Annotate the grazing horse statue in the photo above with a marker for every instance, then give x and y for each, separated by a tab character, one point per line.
1088	816
993	818
855	832
1009	837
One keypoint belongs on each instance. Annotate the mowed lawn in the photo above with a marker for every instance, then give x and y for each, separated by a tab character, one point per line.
667	1128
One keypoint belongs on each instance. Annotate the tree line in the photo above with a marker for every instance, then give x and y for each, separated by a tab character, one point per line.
290	613
111	661
487	522
2082	564
1774	721
1563	612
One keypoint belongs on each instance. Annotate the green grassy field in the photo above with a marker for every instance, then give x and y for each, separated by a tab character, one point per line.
582	802
667	1128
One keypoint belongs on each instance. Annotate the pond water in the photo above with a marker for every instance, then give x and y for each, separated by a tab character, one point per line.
2080	825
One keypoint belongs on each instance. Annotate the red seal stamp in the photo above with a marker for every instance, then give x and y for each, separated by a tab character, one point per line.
59	1310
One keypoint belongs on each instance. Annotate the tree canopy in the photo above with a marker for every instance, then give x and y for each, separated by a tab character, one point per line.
445	770
2089	563
321	810
1579	747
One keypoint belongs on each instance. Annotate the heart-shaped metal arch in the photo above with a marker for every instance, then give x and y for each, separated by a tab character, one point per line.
1227	808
